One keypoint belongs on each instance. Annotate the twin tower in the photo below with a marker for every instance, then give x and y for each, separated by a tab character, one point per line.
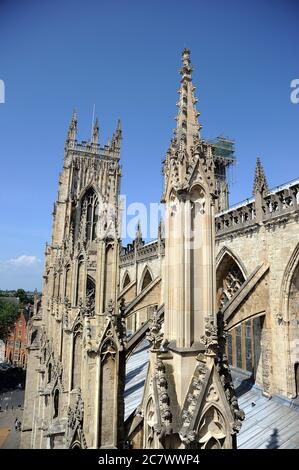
79	342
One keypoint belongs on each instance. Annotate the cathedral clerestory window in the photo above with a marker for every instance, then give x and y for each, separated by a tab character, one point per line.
147	279
126	280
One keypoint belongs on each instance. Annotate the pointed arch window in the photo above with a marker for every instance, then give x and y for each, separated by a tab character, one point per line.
212	430
126	280
90	208
150	420
80	280
243	346
58	284
49	372
56	403
67	282
229	279
90	293
147	279
77	357
293	297
54	285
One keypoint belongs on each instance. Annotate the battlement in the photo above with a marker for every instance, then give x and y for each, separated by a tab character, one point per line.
142	251
93	149
277	202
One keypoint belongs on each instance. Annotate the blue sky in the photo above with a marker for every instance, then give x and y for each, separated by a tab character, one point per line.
123	56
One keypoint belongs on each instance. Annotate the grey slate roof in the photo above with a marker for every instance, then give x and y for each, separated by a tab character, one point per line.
269	423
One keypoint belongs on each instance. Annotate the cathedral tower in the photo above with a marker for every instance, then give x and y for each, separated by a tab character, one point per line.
77	332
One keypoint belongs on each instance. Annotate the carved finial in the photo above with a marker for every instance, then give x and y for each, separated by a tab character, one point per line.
115	315
138	236
95	132
90	301
260	183
155	335
122	306
84	307
210	339
187	127
110	308
67	303
186	58
72	132
71	238
117	136
118	129
161	230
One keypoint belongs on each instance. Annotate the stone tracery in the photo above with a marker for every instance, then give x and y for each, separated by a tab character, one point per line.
229	279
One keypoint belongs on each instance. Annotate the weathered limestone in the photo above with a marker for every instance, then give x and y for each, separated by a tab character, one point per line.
234	273
78	342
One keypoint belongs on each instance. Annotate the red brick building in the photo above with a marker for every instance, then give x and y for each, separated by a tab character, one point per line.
16	343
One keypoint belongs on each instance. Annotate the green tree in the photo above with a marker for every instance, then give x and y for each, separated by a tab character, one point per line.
9	313
22	296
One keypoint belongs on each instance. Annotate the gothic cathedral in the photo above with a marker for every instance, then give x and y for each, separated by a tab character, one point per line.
217	289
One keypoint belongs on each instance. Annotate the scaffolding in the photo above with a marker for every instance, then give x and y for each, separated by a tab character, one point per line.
223	150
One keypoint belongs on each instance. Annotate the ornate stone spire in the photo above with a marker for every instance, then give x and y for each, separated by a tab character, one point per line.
117	136
138	236
187	126
72	132
260	183
118	128
138	231
161	230
155	335
95	132
180	158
